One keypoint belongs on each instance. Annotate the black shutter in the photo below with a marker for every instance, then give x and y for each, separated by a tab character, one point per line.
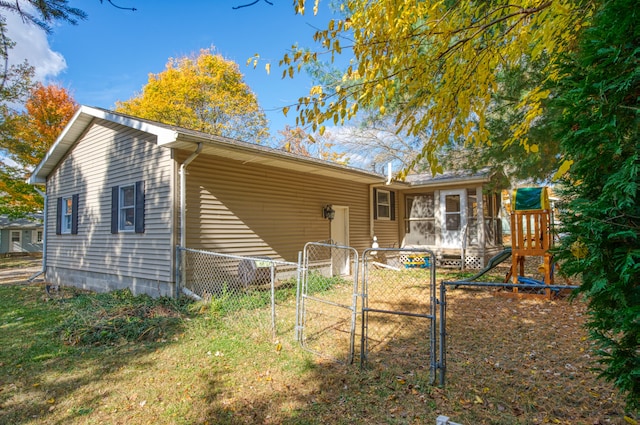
392	207
74	214
139	211
59	216
115	195
375	204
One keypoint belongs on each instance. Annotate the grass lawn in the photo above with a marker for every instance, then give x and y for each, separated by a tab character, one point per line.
119	359
17	262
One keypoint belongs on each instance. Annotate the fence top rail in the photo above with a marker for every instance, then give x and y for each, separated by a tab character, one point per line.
328	245
509	285
422	250
239	257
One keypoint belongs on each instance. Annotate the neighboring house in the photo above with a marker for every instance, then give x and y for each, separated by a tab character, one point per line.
122	193
22	235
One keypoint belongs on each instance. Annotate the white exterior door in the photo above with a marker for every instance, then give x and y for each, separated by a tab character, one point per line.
340	236
16	241
453	210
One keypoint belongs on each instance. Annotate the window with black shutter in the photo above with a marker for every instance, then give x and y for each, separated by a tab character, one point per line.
385	205
127	208
67	215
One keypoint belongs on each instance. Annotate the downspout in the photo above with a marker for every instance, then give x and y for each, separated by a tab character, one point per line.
183	207
183	194
44	237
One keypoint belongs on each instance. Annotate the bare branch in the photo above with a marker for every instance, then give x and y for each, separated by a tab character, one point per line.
251	4
133	9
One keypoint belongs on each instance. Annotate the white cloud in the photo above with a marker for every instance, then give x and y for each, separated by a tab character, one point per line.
32	45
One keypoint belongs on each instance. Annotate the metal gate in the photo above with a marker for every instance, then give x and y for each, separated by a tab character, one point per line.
399	309
327	300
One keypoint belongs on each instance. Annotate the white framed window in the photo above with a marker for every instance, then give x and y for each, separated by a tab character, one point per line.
36	237
67	214
383	204
127	208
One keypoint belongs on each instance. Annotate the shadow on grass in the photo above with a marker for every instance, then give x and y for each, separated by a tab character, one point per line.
509	362
40	366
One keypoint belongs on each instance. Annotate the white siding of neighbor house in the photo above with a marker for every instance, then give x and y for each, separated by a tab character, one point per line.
250	209
105	156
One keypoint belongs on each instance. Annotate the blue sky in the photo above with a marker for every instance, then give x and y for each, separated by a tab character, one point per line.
108	57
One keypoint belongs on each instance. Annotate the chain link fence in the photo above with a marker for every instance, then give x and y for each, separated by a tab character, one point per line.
328	300
380	308
399	309
258	291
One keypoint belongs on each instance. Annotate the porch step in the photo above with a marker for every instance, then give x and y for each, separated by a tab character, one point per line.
446	260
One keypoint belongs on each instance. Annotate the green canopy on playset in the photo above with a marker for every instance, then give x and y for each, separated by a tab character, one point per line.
531	199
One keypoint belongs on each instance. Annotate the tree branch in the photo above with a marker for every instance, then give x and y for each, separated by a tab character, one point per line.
133	9
251	4
523	13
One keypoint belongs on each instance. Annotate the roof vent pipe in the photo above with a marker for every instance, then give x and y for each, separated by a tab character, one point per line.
389	174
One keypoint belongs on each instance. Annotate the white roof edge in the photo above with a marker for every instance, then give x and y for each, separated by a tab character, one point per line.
34	178
454	181
164	135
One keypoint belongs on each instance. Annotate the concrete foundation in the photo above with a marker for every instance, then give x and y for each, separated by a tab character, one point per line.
102	282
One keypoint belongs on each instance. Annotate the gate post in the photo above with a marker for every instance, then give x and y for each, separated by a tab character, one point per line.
442	362
179	282
300	273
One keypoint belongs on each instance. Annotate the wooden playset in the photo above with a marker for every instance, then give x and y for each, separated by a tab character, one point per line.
531	236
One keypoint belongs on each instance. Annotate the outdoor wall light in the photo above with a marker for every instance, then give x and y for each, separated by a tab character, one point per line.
328	212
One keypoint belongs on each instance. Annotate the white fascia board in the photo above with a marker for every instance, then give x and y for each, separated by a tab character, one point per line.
35	178
164	135
78	123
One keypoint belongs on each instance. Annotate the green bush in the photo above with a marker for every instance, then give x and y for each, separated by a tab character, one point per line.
598	117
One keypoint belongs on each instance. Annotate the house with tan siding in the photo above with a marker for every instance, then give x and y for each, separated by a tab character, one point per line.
122	193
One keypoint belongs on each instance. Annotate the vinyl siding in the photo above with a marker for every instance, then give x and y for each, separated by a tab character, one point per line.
108	155
249	209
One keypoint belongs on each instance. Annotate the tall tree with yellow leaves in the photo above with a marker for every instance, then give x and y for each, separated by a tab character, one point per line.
433	65
204	93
